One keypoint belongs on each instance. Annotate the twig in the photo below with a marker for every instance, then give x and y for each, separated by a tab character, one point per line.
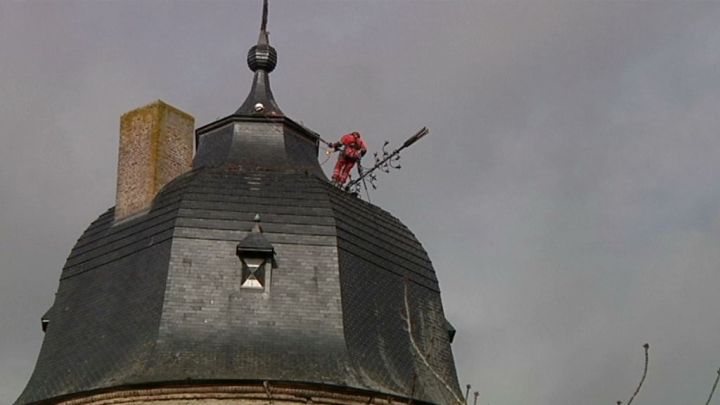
408	325
646	346
717	378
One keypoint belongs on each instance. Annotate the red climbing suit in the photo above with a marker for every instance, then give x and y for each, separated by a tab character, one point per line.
355	148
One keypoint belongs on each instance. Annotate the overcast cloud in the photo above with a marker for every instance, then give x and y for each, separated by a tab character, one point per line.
568	193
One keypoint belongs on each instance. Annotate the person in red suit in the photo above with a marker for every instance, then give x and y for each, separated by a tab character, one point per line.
354	149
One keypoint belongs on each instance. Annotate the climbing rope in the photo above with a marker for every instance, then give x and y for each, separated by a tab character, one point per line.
329	153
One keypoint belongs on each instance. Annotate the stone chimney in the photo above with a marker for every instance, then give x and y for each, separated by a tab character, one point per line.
156	145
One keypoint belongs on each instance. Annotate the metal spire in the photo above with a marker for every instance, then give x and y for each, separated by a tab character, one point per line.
263	25
262	59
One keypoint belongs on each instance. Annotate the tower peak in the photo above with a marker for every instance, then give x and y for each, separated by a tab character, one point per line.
261	59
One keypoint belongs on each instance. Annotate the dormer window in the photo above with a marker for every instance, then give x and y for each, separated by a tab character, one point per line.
253	272
256	257
45	320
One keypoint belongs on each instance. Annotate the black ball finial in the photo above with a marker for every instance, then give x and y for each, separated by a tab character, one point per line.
262	57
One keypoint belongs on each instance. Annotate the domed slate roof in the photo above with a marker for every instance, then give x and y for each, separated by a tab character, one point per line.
158	299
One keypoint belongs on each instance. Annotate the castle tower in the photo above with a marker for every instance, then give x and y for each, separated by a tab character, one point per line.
247	279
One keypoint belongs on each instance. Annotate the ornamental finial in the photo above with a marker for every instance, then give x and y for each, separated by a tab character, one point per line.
262	59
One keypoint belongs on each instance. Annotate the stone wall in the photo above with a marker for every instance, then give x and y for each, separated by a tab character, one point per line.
237	395
156	145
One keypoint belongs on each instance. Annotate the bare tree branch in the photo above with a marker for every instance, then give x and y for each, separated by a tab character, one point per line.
646	346
717	378
408	325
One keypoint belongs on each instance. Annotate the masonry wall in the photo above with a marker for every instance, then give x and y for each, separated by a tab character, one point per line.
156	145
237	395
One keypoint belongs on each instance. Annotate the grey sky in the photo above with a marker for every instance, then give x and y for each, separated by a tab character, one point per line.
568	193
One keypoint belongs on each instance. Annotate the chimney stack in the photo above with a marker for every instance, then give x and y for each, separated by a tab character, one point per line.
156	145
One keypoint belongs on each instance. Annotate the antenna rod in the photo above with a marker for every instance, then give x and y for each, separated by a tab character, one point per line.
362	176
263	25
424	131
